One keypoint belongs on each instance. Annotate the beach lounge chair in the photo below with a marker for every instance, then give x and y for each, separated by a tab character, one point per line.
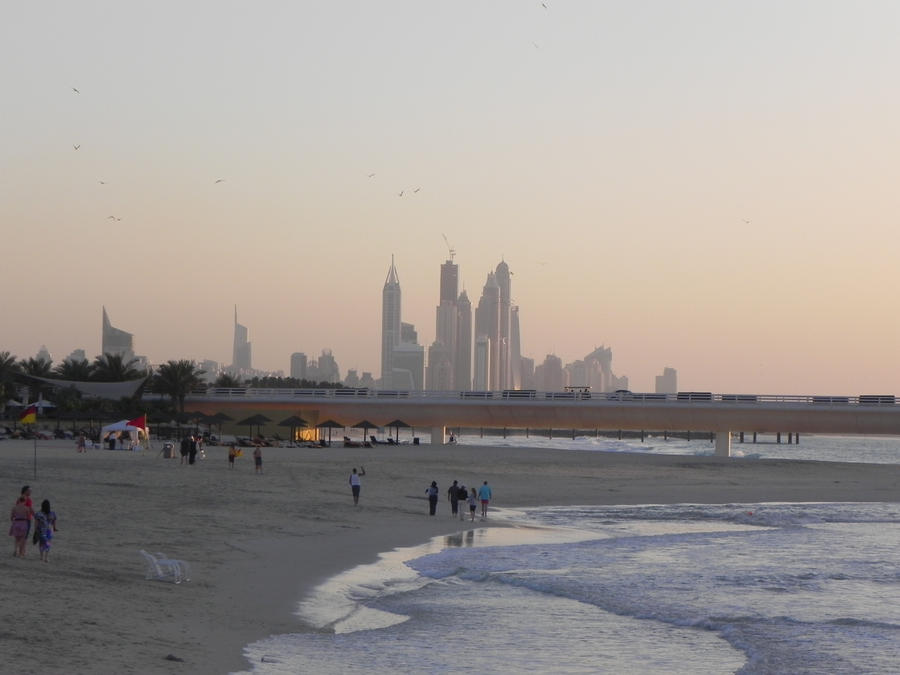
159	567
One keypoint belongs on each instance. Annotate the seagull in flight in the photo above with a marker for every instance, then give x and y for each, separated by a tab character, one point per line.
401	193
371	175
220	180
76	146
102	182
75	90
416	190
113	218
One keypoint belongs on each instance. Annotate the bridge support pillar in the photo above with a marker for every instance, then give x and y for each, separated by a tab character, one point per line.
438	435
723	444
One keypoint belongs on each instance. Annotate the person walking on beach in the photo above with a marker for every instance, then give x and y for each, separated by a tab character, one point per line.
185	449
81	443
44	527
25	493
355	483
473	503
20	520
462	496
257	459
484	494
432	492
192	449
453	496
232	453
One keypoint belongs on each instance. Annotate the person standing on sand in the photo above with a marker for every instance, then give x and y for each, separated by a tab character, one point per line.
192	450
453	496
484	494
257	459
432	492
82	442
232	453
45	526
462	497
20	520
355	483
473	503
185	449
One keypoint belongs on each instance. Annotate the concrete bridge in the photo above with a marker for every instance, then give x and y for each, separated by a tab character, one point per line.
576	408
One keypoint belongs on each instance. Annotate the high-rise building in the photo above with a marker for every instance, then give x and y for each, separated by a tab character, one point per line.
328	367
241	354
44	355
667	383
462	378
442	354
515	349
77	356
390	324
482	358
116	341
487	324
502	276
298	366
409	366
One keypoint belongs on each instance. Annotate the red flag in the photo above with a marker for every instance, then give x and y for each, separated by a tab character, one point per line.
29	415
139	422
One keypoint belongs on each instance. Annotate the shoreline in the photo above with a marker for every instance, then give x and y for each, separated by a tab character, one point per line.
258	545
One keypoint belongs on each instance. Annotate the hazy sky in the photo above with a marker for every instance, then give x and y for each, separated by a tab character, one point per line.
611	152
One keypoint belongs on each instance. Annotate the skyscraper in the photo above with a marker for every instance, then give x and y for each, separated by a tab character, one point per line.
487	324
390	324
116	341
241	354
463	362
502	276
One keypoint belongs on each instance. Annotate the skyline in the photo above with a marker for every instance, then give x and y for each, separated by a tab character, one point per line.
704	186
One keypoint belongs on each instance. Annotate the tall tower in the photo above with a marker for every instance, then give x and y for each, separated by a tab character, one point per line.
241	353
442	354
487	324
116	341
390	324
463	362
503	282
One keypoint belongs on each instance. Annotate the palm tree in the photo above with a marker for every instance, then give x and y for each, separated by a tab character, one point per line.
114	368
177	379
228	381
76	370
36	367
8	366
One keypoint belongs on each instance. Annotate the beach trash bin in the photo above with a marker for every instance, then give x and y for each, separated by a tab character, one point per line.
168	451
416	440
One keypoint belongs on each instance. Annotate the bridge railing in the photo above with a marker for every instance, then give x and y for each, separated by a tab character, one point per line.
579	395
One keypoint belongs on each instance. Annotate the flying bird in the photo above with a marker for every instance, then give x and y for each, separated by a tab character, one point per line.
416	190
75	90
76	146
401	193
113	218
220	180
371	175
102	182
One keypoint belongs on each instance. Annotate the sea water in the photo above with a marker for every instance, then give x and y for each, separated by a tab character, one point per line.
744	588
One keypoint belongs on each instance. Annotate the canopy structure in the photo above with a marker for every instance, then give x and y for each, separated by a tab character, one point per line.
329	424
106	390
294	422
365	425
138	436
397	424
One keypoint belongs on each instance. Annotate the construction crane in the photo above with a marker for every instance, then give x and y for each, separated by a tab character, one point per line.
449	247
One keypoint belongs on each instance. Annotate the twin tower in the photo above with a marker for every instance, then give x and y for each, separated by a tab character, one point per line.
483	355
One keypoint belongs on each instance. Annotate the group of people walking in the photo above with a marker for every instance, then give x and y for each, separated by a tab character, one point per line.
459	497
23	517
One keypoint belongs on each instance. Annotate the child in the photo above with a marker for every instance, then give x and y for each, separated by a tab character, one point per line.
45	526
473	503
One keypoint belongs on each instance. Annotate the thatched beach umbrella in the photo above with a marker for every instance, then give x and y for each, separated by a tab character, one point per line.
365	425
257	420
329	424
294	423
397	424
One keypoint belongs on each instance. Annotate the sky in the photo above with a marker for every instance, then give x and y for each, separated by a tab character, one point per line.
710	186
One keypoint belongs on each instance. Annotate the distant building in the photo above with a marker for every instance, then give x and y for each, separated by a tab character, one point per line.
298	366
462	364
76	356
527	371
487	325
328	367
44	354
549	375
481	380
409	367
390	323
211	370
667	383
116	341
241	361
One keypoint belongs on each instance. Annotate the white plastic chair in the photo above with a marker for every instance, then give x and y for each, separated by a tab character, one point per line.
161	568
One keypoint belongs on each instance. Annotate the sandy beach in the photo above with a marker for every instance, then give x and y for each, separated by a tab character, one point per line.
256	543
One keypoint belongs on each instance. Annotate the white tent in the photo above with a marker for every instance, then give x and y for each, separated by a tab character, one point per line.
137	436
